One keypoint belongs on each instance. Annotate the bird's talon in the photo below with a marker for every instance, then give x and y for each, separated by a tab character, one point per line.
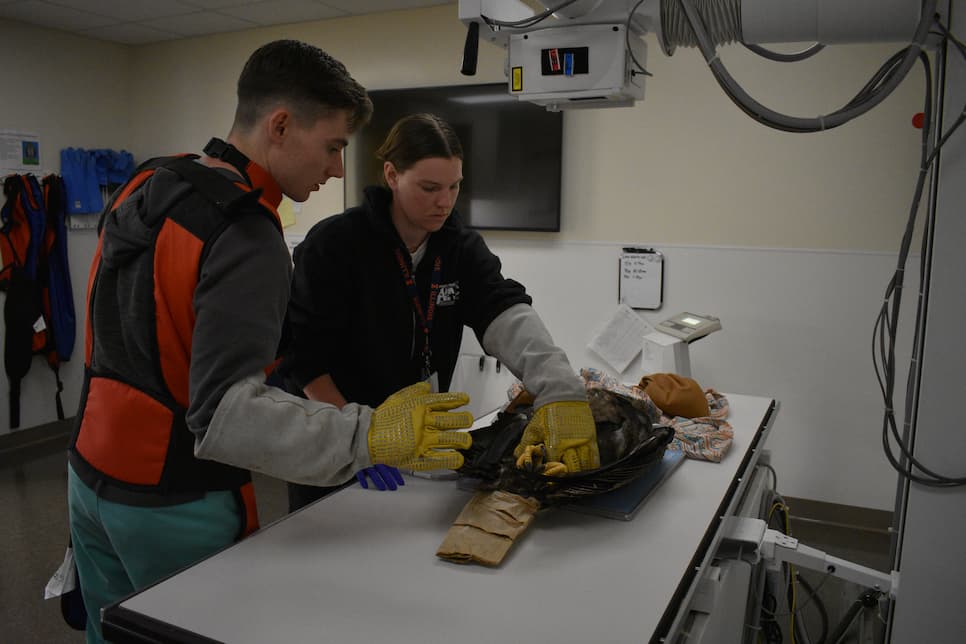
554	468
532	457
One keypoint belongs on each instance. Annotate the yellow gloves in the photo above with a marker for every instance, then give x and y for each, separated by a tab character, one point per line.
567	431
408	430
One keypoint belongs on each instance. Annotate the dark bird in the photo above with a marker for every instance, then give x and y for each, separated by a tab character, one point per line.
508	497
628	441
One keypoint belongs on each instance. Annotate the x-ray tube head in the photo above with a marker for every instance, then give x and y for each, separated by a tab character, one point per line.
576	67
591	53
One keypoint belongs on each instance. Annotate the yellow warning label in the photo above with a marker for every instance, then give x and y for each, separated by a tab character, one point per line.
516	79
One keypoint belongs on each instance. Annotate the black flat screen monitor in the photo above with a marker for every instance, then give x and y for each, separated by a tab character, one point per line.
511	150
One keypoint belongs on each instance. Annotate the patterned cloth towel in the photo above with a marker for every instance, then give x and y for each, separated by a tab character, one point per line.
708	438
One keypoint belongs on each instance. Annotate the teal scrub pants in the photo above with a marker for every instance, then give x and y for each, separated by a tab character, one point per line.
120	549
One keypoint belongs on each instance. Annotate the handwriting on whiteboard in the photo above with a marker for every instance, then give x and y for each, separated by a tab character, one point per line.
641	276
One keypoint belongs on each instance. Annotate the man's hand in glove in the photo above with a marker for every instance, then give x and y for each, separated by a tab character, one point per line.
384	477
567	433
411	429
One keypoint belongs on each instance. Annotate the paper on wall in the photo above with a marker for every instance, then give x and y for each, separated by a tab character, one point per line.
19	152
621	338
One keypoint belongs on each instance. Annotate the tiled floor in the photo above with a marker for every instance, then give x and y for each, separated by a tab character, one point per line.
33	535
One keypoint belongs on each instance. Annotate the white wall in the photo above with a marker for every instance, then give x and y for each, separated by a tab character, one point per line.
796	326
185	90
683	166
736	207
72	92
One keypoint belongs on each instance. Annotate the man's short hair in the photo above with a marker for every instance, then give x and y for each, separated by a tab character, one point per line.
302	77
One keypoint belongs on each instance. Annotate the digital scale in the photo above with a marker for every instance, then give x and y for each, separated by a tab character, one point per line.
689	326
666	348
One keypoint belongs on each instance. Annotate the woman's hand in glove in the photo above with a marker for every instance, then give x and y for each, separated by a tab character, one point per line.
567	432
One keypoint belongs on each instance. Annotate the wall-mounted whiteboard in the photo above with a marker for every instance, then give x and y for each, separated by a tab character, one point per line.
641	278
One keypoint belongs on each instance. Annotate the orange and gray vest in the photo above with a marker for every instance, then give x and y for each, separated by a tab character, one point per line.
39	307
131	443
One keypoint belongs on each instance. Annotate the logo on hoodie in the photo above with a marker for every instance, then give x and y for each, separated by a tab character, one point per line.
448	295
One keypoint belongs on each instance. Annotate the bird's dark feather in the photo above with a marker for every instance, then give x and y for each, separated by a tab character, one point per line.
629	445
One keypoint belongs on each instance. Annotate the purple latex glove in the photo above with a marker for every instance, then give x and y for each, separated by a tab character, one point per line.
383	477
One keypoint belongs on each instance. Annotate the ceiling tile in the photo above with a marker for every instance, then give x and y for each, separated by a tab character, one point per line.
375	6
129	10
216	4
276	12
130	33
200	23
45	14
146	21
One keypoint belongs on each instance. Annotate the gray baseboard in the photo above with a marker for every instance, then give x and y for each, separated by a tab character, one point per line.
839	515
861	535
33	442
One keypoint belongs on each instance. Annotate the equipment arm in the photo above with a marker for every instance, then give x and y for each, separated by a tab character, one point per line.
607	56
774	548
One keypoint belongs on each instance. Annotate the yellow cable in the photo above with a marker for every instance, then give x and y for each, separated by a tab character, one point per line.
791	569
775	506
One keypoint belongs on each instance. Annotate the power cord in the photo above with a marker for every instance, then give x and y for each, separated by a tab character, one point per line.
627	41
527	22
785	58
819	605
886	325
875	95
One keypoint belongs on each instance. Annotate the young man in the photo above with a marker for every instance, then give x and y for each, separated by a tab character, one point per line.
186	301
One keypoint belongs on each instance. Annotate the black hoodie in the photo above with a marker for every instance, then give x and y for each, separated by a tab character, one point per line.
352	318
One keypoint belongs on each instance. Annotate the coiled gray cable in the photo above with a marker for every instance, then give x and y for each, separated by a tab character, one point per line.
722	22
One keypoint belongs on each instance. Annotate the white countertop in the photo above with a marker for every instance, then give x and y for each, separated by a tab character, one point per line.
360	566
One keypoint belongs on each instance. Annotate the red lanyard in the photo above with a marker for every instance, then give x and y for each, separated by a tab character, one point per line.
425	319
